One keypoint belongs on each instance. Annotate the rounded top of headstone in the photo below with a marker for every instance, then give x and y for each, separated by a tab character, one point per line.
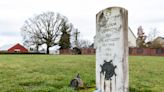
109	8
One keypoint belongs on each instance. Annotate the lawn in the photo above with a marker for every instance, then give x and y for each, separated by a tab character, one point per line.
146	74
52	73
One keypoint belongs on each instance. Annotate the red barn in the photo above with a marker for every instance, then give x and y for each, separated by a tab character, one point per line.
14	48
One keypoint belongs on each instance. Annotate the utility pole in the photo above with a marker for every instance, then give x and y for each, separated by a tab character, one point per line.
76	37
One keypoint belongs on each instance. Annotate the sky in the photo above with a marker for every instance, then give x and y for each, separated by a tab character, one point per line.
81	13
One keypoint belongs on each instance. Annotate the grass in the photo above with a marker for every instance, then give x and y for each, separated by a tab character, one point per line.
52	73
146	74
47	73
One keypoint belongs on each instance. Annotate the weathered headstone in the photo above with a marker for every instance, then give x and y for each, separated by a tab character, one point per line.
112	50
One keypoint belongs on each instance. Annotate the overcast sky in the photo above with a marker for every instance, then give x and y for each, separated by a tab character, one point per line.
81	13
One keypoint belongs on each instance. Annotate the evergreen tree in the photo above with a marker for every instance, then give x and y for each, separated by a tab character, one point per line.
65	38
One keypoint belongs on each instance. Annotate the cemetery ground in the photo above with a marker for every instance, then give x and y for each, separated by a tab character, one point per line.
53	73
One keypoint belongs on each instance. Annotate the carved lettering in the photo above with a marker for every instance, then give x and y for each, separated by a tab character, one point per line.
111	37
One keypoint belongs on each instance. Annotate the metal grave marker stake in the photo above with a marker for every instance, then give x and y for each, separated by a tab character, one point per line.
111	43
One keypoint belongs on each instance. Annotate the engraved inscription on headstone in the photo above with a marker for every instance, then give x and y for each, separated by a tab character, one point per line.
112	50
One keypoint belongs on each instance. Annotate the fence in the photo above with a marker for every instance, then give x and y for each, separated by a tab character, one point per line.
88	51
146	51
66	51
84	51
132	51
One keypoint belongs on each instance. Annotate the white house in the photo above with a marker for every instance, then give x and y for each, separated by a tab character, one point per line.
131	38
55	49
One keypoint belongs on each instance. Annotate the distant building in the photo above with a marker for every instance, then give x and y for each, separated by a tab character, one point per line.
131	38
13	48
157	43
55	49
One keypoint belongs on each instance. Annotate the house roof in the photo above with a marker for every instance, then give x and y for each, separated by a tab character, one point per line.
159	37
131	32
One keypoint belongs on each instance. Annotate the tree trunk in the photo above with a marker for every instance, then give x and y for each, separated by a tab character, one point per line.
37	48
48	49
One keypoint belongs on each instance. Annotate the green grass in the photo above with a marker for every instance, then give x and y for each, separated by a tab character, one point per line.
52	73
35	73
146	74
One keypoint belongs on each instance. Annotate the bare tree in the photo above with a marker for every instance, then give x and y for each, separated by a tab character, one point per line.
153	34
140	41
84	43
44	28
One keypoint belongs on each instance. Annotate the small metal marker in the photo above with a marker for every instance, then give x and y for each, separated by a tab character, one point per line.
76	82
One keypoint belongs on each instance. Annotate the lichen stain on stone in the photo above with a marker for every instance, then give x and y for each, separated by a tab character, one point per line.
109	10
101	15
102	20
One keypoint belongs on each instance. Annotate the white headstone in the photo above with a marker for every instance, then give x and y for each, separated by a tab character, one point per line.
112	50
